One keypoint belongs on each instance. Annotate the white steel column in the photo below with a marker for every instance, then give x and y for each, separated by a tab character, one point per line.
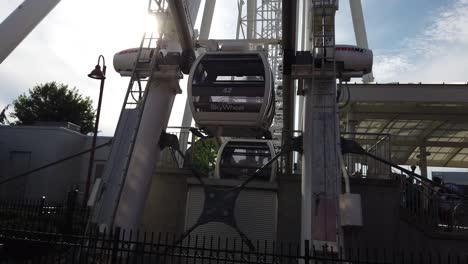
204	35
207	19
251	21
306	183
305	45
360	31
423	154
321	174
156	113
16	27
320	162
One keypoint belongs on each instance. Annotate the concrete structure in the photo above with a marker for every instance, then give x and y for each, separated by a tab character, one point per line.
386	227
427	123
28	147
166	211
24	148
21	22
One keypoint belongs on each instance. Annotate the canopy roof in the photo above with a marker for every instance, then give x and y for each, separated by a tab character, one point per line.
433	117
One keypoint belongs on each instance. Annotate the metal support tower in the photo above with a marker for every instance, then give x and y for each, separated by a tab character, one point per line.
261	20
144	117
321	185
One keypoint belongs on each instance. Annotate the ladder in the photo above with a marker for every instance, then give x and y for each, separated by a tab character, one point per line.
324	37
127	130
135	97
144	66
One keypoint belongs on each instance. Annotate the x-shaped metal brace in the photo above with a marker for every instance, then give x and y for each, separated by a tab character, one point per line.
220	204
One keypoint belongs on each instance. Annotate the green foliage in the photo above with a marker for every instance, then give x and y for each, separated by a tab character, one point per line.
3	118
54	102
204	155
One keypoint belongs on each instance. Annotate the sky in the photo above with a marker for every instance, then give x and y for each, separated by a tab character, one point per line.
413	41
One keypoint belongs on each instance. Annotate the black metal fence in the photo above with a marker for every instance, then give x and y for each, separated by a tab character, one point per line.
47	232
20	246
357	165
173	159
431	208
45	216
363	166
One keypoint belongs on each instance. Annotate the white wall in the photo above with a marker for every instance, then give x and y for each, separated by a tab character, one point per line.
23	148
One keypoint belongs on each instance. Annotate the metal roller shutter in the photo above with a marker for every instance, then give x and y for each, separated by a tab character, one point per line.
255	212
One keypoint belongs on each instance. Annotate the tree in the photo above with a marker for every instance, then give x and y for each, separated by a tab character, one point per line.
54	102
3	119
204	155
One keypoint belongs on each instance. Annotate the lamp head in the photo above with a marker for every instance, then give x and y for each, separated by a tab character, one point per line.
97	73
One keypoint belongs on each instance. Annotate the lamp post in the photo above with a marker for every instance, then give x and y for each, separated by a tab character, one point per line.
98	75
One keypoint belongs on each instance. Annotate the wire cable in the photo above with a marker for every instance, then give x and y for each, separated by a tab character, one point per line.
348	98
54	163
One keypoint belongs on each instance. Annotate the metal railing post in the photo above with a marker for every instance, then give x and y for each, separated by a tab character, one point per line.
115	245
307	257
70	210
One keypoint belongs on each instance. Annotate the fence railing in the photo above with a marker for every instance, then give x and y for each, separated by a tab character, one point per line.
119	246
364	166
431	207
45	216
173	159
189	144
357	165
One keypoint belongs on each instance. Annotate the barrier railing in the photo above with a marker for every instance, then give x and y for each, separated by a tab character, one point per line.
432	207
357	165
120	246
45	216
193	150
364	166
173	159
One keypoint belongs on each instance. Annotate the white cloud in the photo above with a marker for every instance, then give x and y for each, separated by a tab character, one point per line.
65	46
438	54
390	67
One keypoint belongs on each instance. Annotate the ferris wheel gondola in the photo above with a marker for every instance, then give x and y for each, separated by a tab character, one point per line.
240	158
232	93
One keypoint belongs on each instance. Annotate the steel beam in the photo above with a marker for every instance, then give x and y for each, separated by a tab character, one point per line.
251	22
423	139
417	116
289	45
454	153
440	163
17	26
360	31
205	29
401	141
207	19
399	93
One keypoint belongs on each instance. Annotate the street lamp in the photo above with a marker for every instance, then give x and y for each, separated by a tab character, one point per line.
98	75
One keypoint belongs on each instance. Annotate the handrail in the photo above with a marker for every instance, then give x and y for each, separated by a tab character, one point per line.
413	175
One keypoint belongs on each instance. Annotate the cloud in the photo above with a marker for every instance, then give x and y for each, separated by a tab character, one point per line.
390	67
65	46
437	54
452	24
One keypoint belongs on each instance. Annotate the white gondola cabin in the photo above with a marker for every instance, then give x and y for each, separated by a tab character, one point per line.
239	158
124	61
232	94
353	61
